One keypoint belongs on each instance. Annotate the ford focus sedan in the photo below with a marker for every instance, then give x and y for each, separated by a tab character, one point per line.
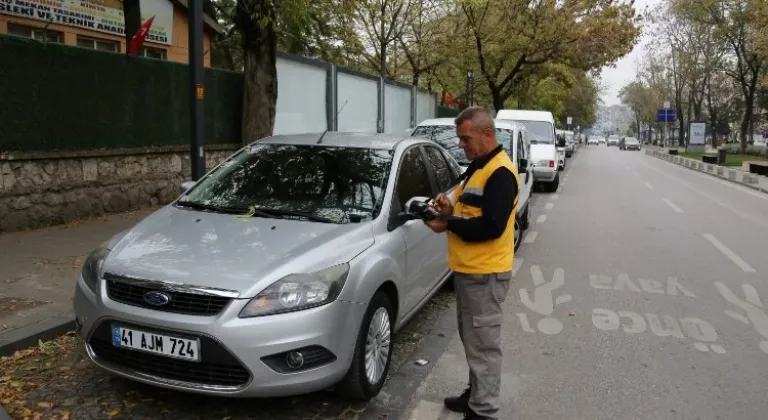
285	270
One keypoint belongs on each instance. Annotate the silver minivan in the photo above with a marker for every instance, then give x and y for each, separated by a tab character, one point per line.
544	157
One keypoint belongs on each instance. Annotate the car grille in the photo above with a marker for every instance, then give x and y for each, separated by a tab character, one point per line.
217	366
181	303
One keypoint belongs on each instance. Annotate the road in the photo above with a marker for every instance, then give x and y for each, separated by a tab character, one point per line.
658	316
636	297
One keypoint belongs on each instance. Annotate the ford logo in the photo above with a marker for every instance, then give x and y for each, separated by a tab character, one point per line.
156	298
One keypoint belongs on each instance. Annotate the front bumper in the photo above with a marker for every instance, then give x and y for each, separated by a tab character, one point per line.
235	353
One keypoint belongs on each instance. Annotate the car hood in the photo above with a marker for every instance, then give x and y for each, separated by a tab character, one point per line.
543	152
244	255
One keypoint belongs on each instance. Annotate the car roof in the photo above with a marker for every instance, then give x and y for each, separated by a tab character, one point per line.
437	121
525	115
505	124
337	139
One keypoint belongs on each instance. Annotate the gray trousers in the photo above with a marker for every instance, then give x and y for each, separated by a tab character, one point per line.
478	304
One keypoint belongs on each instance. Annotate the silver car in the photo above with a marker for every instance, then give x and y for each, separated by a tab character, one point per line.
285	270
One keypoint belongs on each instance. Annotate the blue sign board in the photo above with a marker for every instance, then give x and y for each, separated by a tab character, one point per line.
666	115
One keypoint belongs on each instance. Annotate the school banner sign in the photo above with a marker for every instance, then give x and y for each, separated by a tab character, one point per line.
97	15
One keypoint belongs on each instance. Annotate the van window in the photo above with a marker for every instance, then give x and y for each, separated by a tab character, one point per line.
505	137
539	132
521	152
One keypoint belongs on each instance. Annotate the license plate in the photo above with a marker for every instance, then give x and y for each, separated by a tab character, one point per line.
160	344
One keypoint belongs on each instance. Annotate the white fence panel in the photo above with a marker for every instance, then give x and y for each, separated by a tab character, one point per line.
397	109
359	98
426	104
301	98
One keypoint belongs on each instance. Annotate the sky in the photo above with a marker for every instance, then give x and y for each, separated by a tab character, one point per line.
624	72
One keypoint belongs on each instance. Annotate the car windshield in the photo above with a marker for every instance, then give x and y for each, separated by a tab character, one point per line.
539	132
327	184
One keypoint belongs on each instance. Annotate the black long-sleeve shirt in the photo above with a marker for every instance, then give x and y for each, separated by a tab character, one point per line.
499	195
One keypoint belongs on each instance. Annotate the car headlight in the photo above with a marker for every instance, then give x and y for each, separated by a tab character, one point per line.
92	268
297	292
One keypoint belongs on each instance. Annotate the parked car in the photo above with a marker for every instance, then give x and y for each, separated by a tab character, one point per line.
512	137
540	128
631	143
593	141
284	270
613	140
602	140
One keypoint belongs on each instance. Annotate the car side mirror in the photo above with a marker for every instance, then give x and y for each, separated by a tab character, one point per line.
185	186
523	166
411	206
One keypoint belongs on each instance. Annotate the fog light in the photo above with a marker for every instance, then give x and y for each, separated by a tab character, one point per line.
294	360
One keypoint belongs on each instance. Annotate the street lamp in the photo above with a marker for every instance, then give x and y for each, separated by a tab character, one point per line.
470	87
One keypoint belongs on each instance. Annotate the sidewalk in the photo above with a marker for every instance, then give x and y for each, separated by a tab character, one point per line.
38	275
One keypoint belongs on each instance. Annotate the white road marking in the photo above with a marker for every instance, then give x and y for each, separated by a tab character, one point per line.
530	237
554	197
516	265
728	253
673	205
650	187
426	410
541	219
549	206
719	201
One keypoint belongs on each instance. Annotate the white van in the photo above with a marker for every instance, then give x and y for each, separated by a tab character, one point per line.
544	156
512	137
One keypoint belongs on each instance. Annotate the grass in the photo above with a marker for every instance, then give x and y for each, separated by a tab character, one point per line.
731	159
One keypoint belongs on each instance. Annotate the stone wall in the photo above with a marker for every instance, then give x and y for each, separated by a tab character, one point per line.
39	189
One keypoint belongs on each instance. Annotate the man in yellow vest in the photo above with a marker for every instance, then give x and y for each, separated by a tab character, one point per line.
480	222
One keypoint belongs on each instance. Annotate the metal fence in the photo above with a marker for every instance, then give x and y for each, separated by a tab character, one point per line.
313	96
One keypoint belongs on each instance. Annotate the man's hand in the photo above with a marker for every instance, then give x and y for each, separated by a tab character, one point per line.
444	204
437	225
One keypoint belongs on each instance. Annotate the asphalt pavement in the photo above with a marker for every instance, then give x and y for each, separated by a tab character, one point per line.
637	296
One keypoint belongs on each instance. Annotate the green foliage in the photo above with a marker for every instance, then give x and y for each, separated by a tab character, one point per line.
97	99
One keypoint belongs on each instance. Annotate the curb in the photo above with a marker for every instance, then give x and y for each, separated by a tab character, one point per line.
4	414
397	394
28	336
662	156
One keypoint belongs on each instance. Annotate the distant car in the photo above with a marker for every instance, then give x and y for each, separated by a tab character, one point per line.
631	143
613	140
601	140
593	141
285	270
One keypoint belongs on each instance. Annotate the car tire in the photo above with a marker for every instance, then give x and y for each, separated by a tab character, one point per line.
525	217
356	384
554	185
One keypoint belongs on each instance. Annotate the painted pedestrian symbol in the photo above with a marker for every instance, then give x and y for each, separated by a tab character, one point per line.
544	302
752	307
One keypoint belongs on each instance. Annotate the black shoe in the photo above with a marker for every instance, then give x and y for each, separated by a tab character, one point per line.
459	404
470	415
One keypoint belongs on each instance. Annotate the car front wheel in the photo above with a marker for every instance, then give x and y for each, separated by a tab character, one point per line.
373	352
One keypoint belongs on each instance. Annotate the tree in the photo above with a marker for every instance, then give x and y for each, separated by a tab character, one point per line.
382	23
511	36
731	19
420	37
256	21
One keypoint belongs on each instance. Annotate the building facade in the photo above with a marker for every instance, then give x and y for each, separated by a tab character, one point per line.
99	25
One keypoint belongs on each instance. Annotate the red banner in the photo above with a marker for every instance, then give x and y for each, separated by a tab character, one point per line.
140	36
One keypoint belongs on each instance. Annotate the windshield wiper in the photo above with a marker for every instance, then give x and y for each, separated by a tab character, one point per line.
306	215
228	210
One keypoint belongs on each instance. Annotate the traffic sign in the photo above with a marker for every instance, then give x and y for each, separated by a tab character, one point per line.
570	120
666	105
666	115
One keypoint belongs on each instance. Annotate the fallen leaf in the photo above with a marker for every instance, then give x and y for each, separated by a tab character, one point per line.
44	405
571	313
65	415
114	412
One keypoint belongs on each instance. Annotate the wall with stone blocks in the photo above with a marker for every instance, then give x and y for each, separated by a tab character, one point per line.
39	189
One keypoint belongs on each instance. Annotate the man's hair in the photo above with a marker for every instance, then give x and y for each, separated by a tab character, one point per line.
481	118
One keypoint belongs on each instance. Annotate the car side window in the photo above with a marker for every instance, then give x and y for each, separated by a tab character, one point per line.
443	173
521	152
412	178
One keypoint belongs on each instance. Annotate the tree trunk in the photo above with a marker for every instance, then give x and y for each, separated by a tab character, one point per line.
260	74
498	101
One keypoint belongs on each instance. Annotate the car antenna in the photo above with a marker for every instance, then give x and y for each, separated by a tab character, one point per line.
320	140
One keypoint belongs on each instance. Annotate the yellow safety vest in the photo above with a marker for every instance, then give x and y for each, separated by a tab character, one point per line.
492	256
